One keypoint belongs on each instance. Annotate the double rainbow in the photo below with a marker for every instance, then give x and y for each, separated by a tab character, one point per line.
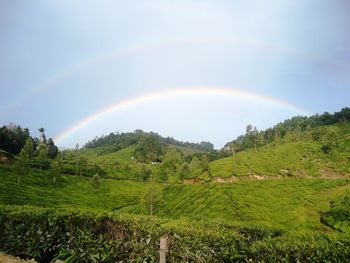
163	94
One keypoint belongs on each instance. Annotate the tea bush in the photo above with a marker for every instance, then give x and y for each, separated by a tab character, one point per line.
87	236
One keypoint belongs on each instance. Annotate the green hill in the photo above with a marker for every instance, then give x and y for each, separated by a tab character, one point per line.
140	156
290	157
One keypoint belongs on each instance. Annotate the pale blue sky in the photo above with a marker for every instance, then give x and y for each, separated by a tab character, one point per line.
61	61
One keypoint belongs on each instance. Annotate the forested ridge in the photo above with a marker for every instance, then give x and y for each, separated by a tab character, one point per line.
122	140
294	128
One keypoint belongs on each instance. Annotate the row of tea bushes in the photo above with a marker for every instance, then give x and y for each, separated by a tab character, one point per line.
88	236
338	216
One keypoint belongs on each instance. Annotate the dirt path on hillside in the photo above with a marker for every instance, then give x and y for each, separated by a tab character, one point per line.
4	258
327	174
11	259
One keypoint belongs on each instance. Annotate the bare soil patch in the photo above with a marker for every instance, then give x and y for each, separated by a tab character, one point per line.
11	259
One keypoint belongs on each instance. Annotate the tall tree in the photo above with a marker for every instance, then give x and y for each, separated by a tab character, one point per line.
171	162
28	148
254	137
42	158
152	198
55	170
81	165
52	149
249	129
22	164
19	167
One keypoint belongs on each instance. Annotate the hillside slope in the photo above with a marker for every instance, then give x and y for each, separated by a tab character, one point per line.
302	157
37	188
289	203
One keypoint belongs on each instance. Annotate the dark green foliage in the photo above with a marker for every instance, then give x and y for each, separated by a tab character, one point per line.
123	140
119	140
90	237
13	138
52	149
302	247
202	146
78	236
338	216
149	149
326	148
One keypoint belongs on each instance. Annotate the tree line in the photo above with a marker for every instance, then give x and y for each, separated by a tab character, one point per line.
13	138
294	129
123	140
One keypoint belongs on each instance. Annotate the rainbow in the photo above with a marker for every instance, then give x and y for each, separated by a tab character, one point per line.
192	91
137	49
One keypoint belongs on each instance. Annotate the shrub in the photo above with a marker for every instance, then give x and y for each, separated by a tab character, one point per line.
85	236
